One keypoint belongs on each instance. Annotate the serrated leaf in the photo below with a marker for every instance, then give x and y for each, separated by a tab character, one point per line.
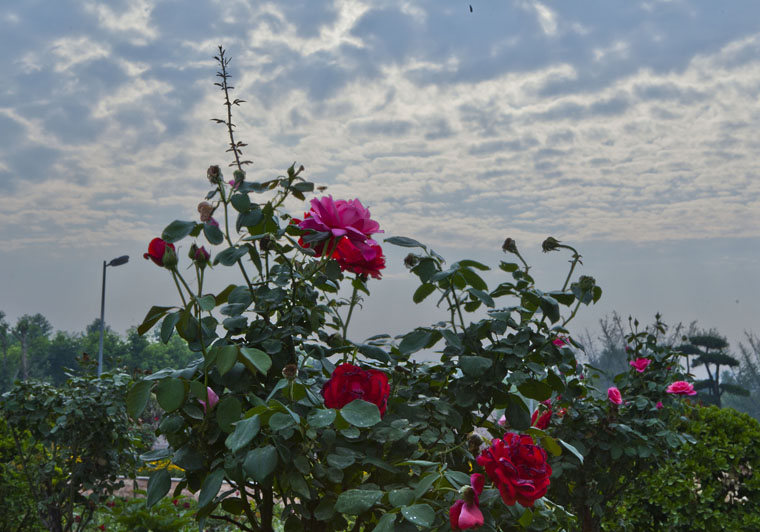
360	413
404	242
354	502
244	432
482	296
535	389
167	326
256	359
414	341
158	486
137	398
177	230
374	352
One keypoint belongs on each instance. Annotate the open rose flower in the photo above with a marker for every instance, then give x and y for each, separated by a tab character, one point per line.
681	388
161	252
640	364
518	468
212	399
349	382
465	513
613	394
341	218
350	258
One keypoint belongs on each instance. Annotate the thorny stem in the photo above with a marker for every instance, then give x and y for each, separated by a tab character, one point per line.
223	62
576	260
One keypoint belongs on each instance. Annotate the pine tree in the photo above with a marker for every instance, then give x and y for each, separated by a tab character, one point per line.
710	349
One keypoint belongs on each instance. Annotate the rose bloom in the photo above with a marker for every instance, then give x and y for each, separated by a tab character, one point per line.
465	513
681	388
560	341
349	382
518	468
341	218
350	258
658	405
613	394
212	399
541	422
640	364
157	251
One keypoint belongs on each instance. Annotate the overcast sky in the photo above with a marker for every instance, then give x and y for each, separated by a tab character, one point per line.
626	128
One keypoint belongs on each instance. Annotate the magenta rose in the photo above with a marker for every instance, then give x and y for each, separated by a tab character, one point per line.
613	394
212	399
518	468
349	382
341	218
161	252
681	388
465	513
640	364
658	405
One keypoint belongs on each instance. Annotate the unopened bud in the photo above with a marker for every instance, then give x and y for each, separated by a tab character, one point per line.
290	371
550	244
586	282
239	177
474	441
468	494
509	246
199	255
265	243
214	174
170	258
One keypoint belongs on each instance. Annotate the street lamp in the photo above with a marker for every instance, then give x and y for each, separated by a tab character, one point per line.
118	261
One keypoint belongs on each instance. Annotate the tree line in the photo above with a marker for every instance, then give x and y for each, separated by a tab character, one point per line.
31	350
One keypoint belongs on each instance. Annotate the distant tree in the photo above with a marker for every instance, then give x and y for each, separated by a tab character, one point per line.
747	375
28	329
5	342
710	349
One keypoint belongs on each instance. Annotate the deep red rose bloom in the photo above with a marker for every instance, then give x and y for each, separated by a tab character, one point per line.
349	382
157	250
518	468
350	258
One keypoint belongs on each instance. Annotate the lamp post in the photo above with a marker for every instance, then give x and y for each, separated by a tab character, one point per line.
118	261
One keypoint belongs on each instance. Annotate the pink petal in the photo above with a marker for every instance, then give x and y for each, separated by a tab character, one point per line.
470	516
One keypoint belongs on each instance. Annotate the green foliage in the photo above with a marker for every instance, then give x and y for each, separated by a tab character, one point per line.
19	509
710	485
71	444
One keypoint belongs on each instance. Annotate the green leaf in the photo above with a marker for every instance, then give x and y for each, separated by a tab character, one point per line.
259	463
244	432
371	351
414	341
526	518
137	398
361	413
167	326
386	523
474	366
206	303
177	230
158	486
241	202
228	412
551	445
509	267
482	296
170	394
354	502
572	449
535	389
210	487
424	484
256	360
419	514
401	497
213	234
550	307
151	318
226	358
230	256
517	413
321	417
404	242
473	264
280	421
424	290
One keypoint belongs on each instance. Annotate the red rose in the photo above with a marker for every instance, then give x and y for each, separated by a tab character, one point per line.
161	252
518	468
350	258
541	422
349	382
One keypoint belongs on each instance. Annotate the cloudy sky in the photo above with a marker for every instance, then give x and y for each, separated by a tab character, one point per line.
626	128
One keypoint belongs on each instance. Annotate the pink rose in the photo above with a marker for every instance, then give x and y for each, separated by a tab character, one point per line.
681	388
640	364
613	394
560	341
212	399
502	420
465	513
658	405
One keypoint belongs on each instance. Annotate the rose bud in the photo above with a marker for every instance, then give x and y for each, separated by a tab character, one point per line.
290	371
509	246
550	244
214	174
199	256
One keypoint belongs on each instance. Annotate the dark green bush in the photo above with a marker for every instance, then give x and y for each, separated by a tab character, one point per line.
712	485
